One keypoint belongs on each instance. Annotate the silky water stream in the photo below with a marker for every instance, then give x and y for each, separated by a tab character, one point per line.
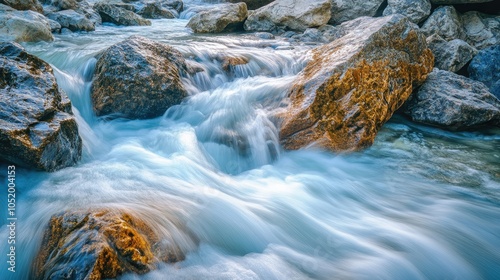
421	203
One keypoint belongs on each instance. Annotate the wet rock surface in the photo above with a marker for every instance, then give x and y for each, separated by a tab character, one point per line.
23	26
118	15
485	67
72	20
354	84
225	18
37	128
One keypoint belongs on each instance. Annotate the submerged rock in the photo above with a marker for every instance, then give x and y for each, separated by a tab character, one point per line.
24	26
445	22
224	18
138	78
345	10
453	102
99	244
485	67
292	14
72	20
416	11
37	128
118	15
452	55
354	84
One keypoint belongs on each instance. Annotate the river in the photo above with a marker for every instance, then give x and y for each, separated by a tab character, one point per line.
421	203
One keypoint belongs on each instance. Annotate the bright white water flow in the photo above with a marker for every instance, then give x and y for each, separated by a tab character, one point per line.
210	175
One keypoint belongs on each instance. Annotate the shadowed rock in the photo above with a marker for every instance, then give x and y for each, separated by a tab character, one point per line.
485	67
452	55
345	10
138	78
354	84
37	128
118	15
253	4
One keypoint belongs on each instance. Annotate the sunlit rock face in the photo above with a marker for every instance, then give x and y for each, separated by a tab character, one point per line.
99	244
138	78
354	84
225	18
37	127
23	26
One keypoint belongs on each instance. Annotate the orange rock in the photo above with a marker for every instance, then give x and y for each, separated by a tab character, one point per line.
354	84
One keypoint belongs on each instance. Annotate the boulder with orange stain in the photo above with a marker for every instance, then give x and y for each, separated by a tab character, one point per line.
354	84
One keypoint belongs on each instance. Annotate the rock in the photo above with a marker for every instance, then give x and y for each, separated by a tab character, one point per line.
354	84
293	14
453	102
155	10
65	4
37	128
72	20
416	11
55	27
99	244
452	2
481	31
485	67
445	22
224	18
253	4
228	62
24	26
177	5
138	78
119	16
264	35
452	55
23	5
345	10
85	9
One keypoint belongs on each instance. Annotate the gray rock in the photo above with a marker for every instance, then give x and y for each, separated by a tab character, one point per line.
253	4
415	10
138	78
345	10
119	16
445	22
293	14
264	35
481	30
55	27
37	128
224	18
23	5
85	9
354	84
24	26
453	102
65	4
72	20
485	67
177	5
155	10
452	55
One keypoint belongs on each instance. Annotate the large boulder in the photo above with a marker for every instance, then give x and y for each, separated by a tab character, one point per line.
23	26
481	30
354	84
72	20
252	4
292	14
37	127
415	10
453	102
138	78
445	22
155	10
452	55
224	18
485	67
62	4
345	10
119	16
23	5
99	244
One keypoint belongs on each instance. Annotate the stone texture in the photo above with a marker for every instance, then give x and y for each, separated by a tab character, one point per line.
24	26
452	55
481	31
155	10
252	4
37	128
99	244
292	14
452	2
445	22
23	5
354	84
415	10
65	4
138	78
55	27
72	20
485	67
224	18
453	102
176	5
345	10
119	16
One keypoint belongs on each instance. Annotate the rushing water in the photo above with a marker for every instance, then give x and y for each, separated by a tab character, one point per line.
422	203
